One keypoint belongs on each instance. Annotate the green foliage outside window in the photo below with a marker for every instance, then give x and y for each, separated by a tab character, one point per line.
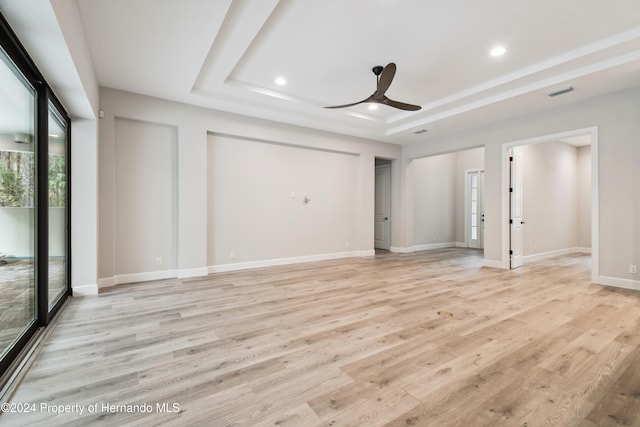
17	180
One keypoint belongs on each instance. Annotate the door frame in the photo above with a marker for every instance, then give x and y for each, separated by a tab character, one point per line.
387	165
504	204
467	208
516	202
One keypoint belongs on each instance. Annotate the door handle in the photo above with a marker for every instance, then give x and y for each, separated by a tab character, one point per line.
386	218
521	222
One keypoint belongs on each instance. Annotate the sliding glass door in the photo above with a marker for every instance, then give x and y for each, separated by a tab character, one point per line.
34	201
17	205
57	201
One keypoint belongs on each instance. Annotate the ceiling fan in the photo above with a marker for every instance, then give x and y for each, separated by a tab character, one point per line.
384	77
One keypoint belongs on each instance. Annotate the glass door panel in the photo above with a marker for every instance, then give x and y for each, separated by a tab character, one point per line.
17	208
57	173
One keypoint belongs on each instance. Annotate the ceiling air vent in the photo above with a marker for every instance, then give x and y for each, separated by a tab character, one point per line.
418	132
560	91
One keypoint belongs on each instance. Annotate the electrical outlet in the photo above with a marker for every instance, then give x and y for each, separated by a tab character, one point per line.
633	269
346	245
158	260
232	255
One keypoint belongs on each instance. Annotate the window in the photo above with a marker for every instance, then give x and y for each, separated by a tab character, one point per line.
34	201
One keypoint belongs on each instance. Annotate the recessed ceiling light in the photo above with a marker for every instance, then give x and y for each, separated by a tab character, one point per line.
280	81
373	107
498	51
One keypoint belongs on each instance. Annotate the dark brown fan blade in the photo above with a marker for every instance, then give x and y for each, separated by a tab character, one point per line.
369	99
400	105
385	80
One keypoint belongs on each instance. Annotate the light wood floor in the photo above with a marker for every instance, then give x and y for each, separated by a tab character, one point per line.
17	302
350	342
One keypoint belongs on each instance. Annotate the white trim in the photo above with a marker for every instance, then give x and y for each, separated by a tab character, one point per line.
467	207
193	272
583	250
504	205
401	250
550	254
618	283
434	246
144	277
220	268
106	282
416	248
496	264
85	290
370	252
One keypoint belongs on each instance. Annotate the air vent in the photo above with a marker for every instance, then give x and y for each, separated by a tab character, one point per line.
418	132
560	91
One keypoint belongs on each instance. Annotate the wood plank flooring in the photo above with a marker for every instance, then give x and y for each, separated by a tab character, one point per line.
355	342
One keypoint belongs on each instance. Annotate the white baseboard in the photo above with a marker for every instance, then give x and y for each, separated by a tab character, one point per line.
220	268
496	264
551	254
106	282
370	252
193	272
400	250
416	248
85	290
618	283
544	255
121	279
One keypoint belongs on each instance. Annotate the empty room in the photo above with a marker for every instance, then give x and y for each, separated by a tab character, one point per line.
336	213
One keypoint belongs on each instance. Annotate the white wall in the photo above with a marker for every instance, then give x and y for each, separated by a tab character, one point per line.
438	191
353	185
466	160
256	210
17	225
434	205
584	196
618	131
550	197
145	197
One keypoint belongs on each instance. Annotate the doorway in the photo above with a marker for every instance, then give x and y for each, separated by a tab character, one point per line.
551	182
474	209
382	221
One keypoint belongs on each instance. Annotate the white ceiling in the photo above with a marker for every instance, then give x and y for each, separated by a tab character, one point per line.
226	54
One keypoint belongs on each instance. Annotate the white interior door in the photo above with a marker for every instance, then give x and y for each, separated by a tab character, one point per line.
475	209
383	207
515	203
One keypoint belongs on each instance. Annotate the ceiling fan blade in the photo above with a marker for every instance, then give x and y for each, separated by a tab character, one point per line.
385	79
369	99
400	105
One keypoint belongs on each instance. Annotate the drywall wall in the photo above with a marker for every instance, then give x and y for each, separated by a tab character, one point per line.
550	197
145	196
17	225
84	206
466	160
434	204
194	125
583	177
256	201
438	192
618	132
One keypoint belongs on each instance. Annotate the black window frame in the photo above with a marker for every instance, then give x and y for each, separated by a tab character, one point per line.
44	94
